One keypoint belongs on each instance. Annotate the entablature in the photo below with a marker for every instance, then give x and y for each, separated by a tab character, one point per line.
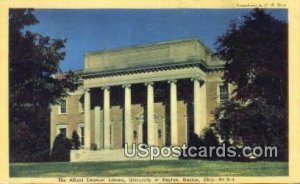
145	76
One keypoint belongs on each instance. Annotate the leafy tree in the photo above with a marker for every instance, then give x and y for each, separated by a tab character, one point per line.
255	52
33	62
75	140
255	55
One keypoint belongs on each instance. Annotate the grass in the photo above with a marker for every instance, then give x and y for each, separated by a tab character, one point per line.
146	168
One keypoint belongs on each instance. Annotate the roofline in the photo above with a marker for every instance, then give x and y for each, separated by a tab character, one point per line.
74	71
162	66
148	45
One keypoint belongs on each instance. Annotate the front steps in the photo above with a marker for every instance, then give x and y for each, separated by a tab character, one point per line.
84	155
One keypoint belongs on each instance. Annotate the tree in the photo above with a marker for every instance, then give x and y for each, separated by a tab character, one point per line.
33	62
255	55
75	140
255	52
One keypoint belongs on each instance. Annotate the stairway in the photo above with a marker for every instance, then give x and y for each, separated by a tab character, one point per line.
83	155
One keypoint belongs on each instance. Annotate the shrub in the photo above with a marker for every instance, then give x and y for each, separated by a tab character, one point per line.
208	138
61	149
75	140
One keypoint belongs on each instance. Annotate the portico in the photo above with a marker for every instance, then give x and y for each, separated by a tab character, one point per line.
165	64
152	131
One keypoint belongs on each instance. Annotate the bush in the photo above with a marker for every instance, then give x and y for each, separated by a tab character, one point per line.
208	139
255	123
61	149
75	140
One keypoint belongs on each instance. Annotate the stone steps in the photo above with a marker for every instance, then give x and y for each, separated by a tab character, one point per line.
107	155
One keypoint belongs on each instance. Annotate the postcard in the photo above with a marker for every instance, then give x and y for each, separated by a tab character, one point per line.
149	92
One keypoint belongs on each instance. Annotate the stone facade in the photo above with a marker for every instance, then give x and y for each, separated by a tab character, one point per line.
160	94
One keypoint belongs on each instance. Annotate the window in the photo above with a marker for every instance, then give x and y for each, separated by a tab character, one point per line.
81	134
224	95
63	106
62	129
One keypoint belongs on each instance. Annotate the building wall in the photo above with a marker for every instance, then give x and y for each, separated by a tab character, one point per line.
71	119
214	80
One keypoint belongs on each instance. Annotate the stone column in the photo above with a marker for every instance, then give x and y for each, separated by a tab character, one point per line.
87	119
150	114
203	114
128	123
97	127
173	112
197	113
106	109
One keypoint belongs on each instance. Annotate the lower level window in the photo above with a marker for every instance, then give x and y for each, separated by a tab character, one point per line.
63	131
82	135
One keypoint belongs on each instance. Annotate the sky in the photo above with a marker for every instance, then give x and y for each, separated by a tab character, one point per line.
102	29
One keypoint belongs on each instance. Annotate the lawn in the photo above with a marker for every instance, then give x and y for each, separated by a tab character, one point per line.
146	168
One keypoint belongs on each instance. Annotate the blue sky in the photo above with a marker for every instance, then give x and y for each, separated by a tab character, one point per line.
90	30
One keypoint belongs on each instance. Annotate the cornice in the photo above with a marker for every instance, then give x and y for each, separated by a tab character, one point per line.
157	67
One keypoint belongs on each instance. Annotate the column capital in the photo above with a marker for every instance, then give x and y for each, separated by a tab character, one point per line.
196	79
126	86
172	81
149	83
105	87
87	89
201	81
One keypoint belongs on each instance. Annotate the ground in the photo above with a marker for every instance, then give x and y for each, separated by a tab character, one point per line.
146	168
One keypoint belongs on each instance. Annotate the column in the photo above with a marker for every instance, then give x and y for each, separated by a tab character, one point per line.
197	122
128	123
106	109
97	126
203	114
173	112
87	119
150	114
